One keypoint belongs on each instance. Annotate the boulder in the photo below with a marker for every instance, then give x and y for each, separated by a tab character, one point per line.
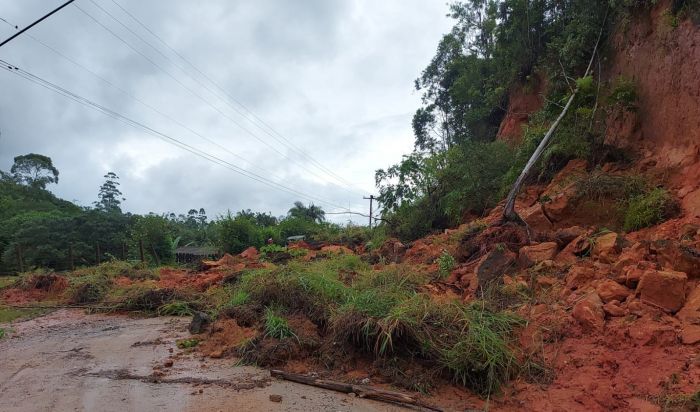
565	236
589	312
606	247
610	290
530	255
663	289
494	265
690	334
633	273
579	276
200	321
576	248
535	218
630	256
690	313
673	255
544	282
613	309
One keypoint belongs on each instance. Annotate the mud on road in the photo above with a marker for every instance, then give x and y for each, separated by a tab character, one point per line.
70	361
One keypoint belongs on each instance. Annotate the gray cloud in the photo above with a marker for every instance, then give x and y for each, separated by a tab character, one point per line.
335	77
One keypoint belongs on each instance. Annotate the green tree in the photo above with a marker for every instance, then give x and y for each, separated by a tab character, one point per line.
109	196
311	212
34	170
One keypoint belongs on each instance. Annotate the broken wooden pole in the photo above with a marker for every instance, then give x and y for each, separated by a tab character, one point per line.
361	391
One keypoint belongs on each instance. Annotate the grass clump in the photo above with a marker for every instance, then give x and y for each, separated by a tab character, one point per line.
6	281
385	313
175	309
649	209
240	297
603	186
2	333
480	356
187	343
9	314
276	326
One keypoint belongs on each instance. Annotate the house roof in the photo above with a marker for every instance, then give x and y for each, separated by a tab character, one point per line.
196	250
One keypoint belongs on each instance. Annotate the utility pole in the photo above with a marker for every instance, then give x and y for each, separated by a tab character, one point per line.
371	199
36	22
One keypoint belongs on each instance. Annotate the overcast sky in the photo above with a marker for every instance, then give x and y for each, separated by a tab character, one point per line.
333	77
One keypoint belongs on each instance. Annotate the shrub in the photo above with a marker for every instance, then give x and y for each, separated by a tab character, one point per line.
446	263
624	94
649	209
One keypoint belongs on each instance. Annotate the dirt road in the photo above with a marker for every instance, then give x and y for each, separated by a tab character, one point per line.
69	361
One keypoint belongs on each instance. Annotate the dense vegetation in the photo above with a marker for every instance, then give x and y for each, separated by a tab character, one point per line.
458	167
47	230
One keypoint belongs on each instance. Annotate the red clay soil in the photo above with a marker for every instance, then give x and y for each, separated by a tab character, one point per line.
224	337
36	288
180	279
522	102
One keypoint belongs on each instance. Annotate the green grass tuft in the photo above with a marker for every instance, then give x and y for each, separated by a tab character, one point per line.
177	308
187	343
649	209
276	326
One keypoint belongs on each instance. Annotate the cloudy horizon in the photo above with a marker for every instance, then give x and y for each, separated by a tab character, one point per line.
333	78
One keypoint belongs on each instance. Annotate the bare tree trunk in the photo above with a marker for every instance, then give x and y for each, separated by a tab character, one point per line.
509	213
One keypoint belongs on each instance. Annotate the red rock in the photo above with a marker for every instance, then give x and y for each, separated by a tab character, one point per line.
613	309
673	255
545	281
530	255
637	308
606	247
664	289
633	273
560	204
565	236
250	253
690	335
535	218
690	313
589	312
631	256
610	290
494	265
576	248
579	276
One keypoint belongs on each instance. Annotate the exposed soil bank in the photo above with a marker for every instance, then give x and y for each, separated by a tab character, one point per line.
69	361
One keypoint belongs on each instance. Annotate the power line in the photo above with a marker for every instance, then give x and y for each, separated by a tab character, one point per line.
137	99
163	136
262	125
46	16
182	84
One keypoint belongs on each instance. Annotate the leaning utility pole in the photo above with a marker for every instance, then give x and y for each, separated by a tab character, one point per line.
371	199
36	22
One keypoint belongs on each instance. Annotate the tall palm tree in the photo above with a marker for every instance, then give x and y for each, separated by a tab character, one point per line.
311	212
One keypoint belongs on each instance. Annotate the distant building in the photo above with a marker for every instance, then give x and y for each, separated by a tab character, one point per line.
190	254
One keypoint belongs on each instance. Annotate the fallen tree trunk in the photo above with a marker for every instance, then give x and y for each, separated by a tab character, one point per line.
509	213
361	391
